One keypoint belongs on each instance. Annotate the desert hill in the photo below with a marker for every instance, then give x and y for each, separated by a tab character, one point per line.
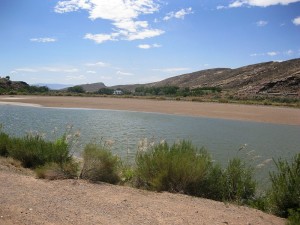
269	78
278	78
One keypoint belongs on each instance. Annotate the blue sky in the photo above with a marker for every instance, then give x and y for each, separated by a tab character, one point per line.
140	41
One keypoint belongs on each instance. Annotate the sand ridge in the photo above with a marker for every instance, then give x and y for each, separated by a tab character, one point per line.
265	114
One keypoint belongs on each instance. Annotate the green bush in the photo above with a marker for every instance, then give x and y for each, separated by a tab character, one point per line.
210	186
294	217
239	184
34	151
285	190
175	168
4	141
99	164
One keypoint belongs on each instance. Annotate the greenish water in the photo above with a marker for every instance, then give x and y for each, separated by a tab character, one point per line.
221	137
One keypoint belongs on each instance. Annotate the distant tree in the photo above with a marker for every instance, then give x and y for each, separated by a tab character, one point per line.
7	77
105	91
76	89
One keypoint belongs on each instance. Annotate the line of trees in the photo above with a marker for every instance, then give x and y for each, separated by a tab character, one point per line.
176	91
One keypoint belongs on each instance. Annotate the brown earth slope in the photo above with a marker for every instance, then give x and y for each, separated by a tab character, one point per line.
277	78
28	201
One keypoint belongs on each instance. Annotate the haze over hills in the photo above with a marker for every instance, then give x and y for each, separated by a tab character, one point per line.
278	78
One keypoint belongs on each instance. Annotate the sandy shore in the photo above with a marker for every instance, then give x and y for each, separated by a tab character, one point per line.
266	114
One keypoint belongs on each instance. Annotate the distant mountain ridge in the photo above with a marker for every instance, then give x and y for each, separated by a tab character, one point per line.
269	77
277	78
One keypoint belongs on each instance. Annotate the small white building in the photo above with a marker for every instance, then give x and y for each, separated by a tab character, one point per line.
118	92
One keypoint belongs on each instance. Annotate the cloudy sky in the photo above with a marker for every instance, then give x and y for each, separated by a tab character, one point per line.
139	41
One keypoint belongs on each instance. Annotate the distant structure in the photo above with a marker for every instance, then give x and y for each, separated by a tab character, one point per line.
118	92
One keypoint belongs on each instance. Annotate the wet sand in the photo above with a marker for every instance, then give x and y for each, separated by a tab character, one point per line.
266	114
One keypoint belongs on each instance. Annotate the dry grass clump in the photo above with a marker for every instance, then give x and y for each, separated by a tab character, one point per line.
55	171
13	165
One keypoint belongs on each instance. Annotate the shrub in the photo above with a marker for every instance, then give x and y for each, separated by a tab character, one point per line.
4	140
55	171
34	151
175	168
99	164
211	186
239	184
294	217
127	175
285	190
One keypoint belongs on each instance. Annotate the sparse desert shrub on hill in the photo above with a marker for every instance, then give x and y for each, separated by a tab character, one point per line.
99	164
171	168
285	190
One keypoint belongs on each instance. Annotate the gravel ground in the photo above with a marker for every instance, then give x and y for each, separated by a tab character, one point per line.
27	200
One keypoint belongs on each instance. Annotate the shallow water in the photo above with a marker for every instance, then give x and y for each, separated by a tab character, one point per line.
223	138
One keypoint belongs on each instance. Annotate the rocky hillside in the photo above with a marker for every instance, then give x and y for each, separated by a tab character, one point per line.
7	85
93	87
270	78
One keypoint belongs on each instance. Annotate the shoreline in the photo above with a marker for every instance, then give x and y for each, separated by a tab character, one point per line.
254	113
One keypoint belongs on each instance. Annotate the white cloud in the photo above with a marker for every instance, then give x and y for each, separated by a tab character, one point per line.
221	7
261	23
91	71
289	52
260	3
124	73
257	54
144	46
98	64
172	70
296	21
179	14
236	4
100	38
147	46
28	70
43	40
272	53
147	33
123	15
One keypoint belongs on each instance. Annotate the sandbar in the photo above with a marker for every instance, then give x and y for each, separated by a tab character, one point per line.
255	113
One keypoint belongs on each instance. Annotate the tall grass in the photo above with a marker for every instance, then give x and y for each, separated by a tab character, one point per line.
180	167
34	151
238	182
186	169
4	140
285	191
172	168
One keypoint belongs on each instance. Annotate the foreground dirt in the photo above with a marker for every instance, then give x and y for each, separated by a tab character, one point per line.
27	200
277	115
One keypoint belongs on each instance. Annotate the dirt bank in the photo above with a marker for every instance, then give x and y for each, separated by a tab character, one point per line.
277	115
28	201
